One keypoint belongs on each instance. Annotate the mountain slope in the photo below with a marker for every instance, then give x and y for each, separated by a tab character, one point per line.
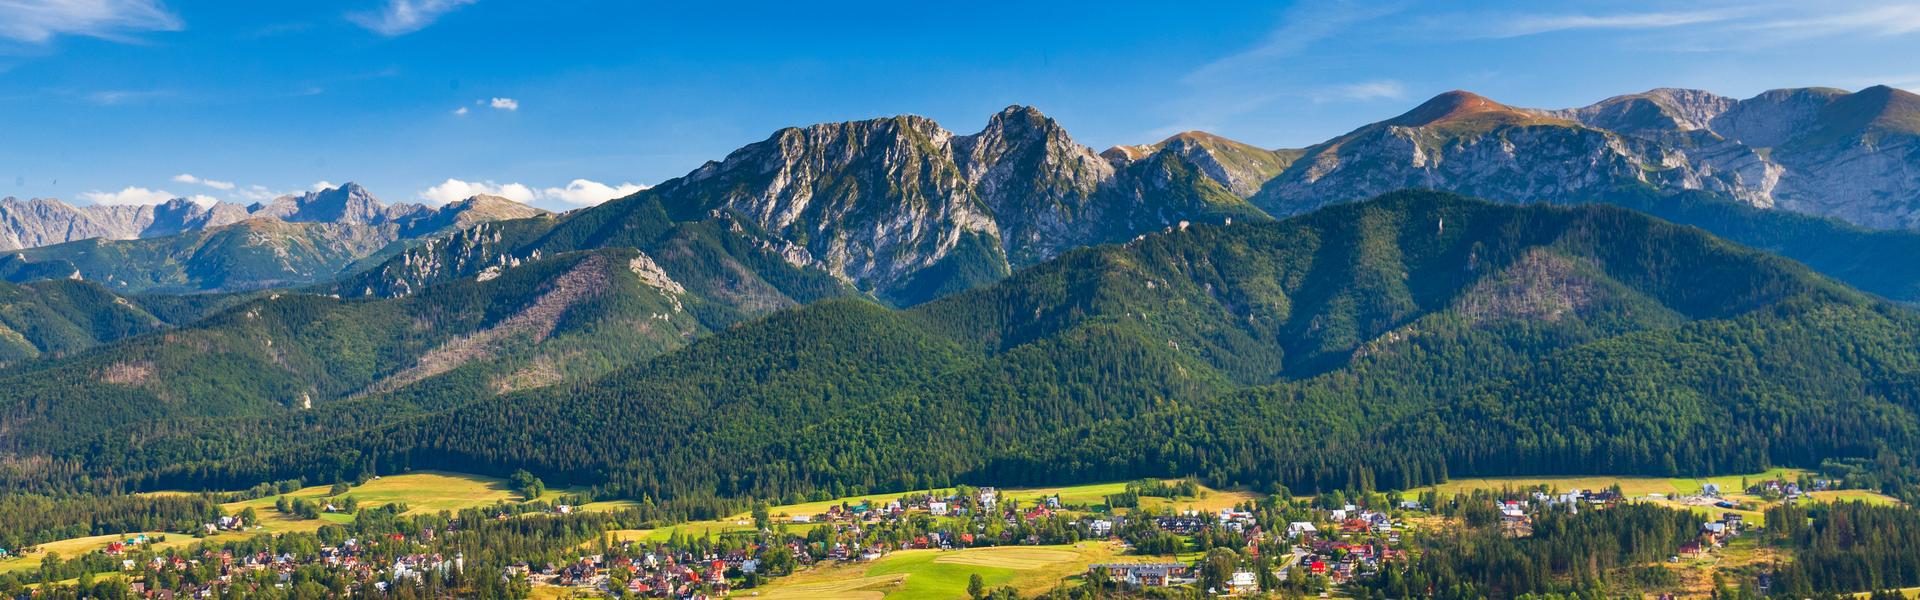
280	355
57	317
1312	352
1241	168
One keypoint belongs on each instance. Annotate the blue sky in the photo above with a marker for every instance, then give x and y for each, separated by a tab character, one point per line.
423	100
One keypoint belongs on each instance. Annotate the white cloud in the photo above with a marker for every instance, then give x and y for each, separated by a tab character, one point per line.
462	111
1525	25
454	190
130	195
37	21
203	199
322	185
401	17
1784	20
1379	89
257	193
504	104
1882	21
586	192
215	184
120	97
1304	25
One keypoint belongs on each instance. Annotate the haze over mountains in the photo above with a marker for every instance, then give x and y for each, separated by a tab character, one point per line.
181	246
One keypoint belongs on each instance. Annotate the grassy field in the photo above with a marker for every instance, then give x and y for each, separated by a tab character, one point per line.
69	548
424	492
1643	488
928	574
1630	485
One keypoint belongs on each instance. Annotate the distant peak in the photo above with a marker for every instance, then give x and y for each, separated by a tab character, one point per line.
1019	116
1021	110
1450	106
1191	136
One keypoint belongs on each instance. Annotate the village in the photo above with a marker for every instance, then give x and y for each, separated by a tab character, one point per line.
1307	544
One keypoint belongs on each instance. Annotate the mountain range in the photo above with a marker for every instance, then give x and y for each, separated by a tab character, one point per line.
908	211
180	246
1819	151
1015	290
1389	343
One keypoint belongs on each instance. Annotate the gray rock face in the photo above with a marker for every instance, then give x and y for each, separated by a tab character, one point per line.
348	203
1853	156
1240	168
43	222
879	202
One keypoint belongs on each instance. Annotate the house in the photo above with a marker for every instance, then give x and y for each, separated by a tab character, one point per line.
937	508
1243	583
1146	574
1100	527
1299	528
802	519
988	498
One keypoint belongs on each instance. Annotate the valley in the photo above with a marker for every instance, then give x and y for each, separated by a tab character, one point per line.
1473	350
1025	541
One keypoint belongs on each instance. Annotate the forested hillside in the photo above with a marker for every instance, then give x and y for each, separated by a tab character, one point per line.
288	360
1390	343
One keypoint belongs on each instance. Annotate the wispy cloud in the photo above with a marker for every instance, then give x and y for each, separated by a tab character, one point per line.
1270	71
504	104
215	184
1780	20
37	21
1520	25
1379	89
129	195
401	17
120	97
1303	26
1879	20
462	111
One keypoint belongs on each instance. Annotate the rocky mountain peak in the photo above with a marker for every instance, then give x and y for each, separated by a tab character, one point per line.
346	203
1660	110
1456	105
